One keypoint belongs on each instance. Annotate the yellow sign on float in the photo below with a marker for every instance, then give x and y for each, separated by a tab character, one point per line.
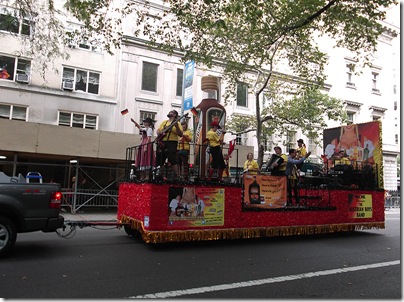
360	206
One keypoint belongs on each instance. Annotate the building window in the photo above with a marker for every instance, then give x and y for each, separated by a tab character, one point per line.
94	46
375	76
242	93
144	115
13	112
75	41
80	80
149	76
11	67
312	147
395	105
78	120
396	138
238	139
376	118
267	143
180	74
350	71
290	140
15	25
351	116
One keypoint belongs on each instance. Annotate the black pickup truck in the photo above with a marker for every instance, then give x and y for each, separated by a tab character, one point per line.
27	207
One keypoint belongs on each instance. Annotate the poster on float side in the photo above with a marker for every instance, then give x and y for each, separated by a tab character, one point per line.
196	206
264	191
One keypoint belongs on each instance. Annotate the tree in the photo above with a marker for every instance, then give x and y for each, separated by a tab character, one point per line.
251	41
49	38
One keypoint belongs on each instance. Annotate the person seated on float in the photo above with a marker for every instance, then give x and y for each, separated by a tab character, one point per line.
342	158
250	165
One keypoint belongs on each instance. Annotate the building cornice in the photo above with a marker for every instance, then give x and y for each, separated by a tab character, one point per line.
389	152
352	103
28	88
379	109
144	100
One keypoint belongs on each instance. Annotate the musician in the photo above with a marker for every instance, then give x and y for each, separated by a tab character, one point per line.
301	151
278	166
292	174
183	149
215	142
168	134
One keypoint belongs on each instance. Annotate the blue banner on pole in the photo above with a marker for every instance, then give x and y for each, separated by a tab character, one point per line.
187	102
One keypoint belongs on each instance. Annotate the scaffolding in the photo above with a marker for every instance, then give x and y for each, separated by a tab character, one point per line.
81	185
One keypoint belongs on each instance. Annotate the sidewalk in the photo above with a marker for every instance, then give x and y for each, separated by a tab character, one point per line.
90	214
392	211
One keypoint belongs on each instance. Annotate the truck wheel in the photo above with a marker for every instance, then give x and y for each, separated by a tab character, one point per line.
8	235
131	232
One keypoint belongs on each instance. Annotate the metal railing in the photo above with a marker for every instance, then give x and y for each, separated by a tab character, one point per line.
194	170
392	202
89	198
356	175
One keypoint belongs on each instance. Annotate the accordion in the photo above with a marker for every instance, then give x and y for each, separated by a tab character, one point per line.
274	159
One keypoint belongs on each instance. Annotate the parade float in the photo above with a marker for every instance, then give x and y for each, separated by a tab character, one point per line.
337	199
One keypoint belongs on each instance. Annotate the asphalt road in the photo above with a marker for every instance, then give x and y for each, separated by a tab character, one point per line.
105	263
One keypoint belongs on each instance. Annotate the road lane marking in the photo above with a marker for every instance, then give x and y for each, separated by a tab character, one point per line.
206	289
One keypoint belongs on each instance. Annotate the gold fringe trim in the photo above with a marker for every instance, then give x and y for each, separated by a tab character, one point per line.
241	233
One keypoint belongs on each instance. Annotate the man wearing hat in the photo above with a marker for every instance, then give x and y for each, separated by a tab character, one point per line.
293	175
183	149
342	158
301	151
168	134
215	142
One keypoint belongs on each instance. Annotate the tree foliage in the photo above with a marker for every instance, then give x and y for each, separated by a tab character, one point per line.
254	41
270	45
45	42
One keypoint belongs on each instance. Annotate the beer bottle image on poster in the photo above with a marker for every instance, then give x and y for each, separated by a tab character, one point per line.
254	192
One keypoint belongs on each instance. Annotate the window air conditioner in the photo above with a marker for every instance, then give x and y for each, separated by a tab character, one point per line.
67	85
22	78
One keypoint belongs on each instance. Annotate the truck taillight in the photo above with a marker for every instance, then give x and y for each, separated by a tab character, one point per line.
56	199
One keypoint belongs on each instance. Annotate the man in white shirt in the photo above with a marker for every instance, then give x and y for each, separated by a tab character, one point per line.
174	204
